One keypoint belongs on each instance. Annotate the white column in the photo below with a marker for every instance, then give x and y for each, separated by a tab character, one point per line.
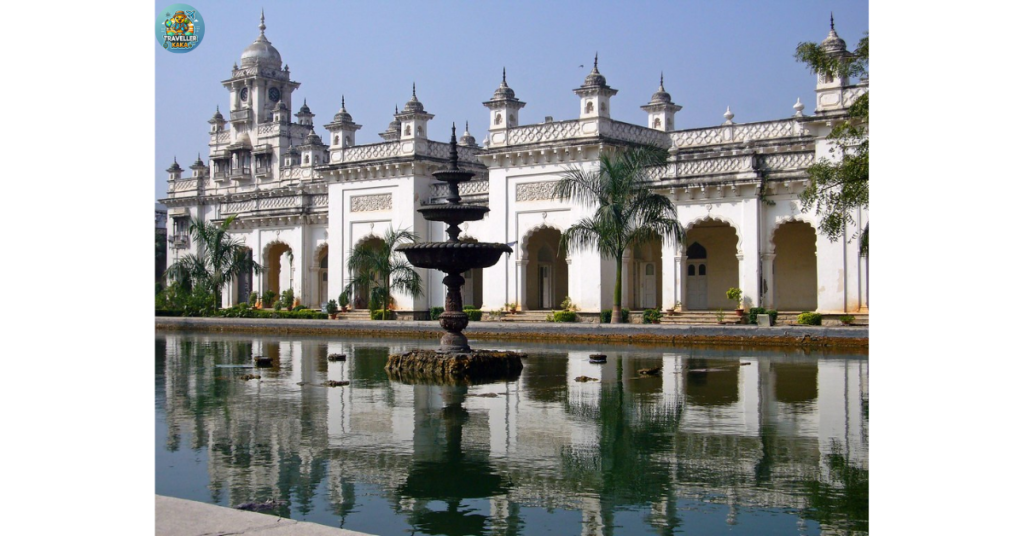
669	275
681	261
627	280
522	265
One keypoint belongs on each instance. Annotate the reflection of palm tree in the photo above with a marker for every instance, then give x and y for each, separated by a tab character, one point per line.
841	499
629	213
379	265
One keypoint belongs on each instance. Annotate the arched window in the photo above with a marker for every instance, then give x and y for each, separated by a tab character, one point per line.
696	251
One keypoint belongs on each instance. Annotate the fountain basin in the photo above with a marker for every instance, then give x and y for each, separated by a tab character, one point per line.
453	214
454	368
454	257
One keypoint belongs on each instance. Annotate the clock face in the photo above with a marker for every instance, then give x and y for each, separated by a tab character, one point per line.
244	94
275	94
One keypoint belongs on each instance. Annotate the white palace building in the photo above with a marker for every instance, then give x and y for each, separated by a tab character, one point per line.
305	196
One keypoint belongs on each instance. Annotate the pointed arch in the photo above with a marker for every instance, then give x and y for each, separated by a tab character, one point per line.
545	278
793	242
715	267
277	261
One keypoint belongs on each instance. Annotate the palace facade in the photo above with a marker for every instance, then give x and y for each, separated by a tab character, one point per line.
305	195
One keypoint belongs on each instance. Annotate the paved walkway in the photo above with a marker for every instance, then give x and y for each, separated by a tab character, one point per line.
180	517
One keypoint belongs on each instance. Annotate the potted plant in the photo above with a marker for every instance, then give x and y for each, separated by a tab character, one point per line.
720	316
846	319
512	307
332	309
736	295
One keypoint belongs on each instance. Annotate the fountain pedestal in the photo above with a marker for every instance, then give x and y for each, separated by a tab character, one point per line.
454	361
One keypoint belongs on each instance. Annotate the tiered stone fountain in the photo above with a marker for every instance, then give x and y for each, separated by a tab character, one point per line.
454	361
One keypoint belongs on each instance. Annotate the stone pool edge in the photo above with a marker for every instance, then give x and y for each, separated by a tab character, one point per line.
775	336
182	517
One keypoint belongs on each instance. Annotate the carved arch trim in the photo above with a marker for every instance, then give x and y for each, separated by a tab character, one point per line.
720	219
782	220
525	241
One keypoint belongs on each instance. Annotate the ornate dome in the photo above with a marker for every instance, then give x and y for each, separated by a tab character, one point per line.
312	138
304	109
217	117
342	116
261	51
833	44
595	78
503	92
661	96
467	138
414	105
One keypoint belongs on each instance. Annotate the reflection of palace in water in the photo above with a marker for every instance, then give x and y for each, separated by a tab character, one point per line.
738	431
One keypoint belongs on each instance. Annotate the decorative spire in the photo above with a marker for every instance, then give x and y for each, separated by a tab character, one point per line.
661	82
453	153
342	102
414	90
502	75
262	25
798	108
831	21
728	116
595	61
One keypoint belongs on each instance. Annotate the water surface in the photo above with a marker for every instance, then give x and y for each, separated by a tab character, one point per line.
725	441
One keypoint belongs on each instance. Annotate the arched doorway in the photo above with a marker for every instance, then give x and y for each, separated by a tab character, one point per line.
546	278
796	267
711	265
321	277
361	291
646	272
278	262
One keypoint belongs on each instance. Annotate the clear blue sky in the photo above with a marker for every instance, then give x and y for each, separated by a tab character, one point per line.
713	54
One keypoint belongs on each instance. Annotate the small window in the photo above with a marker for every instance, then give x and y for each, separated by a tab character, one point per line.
701	270
650	269
696	251
690	270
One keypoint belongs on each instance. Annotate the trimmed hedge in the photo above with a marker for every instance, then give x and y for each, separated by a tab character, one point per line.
379	314
243	311
809	319
565	316
170	312
473	313
435	312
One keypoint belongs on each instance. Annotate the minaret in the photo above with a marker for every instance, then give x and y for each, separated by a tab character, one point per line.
661	111
312	150
504	108
829	88
595	95
174	172
414	119
281	113
304	116
342	129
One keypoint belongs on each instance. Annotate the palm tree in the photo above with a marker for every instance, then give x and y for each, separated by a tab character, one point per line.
384	268
628	213
218	260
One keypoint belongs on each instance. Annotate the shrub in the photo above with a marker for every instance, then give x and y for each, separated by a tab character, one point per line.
435	312
381	314
332	307
300	307
287	299
200	302
564	316
809	319
846	319
169	312
754	311
268	297
473	313
652	316
606	316
253	298
568	305
736	295
343	299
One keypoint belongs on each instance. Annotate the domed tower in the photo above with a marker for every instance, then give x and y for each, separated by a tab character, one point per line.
504	107
342	129
414	119
661	111
467	139
259	83
595	95
304	116
829	88
394	128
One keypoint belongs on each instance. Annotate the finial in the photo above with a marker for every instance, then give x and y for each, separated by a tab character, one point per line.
262	25
662	81
831	21
303	101
799	108
453	130
467	126
503	74
728	116
396	109
342	102
414	90
175	159
218	108
595	61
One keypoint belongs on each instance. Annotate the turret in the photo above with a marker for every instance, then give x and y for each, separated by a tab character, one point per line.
414	119
595	95
174	172
661	111
342	129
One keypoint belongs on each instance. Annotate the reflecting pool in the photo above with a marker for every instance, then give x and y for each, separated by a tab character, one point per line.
722	441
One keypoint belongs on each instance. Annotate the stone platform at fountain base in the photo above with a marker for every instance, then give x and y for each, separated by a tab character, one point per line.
454	368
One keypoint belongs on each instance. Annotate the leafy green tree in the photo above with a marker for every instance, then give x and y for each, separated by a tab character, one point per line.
383	269
839	186
218	260
629	213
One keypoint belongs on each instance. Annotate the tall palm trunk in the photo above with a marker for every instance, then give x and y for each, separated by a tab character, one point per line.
617	299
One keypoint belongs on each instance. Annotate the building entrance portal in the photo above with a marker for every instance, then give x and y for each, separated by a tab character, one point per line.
545	271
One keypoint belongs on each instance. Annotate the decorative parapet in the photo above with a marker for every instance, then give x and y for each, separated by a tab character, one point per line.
636	134
373	151
852	93
712	166
777	162
368	203
258	204
437	149
238	206
737	133
181	186
221	137
466	189
562	130
319	200
535	191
